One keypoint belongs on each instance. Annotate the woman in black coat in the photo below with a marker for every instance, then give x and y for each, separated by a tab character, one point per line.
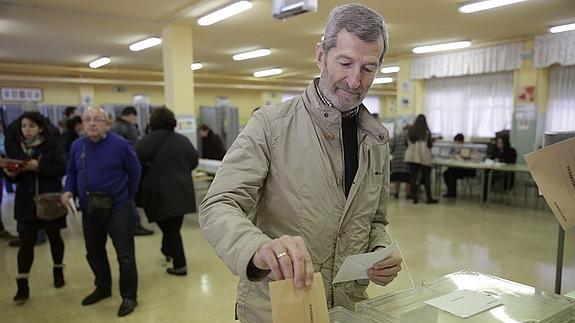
167	189
44	161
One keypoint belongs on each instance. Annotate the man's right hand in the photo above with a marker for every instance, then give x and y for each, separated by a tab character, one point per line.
287	257
65	198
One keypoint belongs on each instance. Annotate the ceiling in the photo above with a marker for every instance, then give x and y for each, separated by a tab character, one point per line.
74	32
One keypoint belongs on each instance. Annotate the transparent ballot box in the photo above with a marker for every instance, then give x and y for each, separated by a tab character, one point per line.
343	315
521	303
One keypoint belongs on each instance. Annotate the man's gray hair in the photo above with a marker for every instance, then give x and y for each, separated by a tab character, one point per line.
358	20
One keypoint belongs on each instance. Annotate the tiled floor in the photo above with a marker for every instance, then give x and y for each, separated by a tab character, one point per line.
510	242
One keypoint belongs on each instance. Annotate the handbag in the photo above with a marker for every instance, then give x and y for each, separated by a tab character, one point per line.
99	203
48	205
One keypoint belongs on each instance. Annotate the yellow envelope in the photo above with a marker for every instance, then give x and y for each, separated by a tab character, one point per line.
290	304
553	169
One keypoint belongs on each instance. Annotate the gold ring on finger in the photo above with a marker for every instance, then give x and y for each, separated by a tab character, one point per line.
281	254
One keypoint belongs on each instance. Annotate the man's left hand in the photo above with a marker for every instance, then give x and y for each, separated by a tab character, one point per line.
385	271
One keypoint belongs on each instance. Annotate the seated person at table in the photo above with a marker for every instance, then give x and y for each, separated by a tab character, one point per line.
452	174
504	153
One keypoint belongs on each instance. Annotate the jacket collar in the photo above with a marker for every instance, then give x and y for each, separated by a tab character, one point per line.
329	119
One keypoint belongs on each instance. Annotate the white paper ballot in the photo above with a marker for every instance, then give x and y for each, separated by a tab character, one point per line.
72	206
464	303
355	267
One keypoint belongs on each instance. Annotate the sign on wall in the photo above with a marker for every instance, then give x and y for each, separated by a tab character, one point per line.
18	94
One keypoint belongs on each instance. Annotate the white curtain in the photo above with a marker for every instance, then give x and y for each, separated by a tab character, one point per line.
500	58
476	106
560	114
554	49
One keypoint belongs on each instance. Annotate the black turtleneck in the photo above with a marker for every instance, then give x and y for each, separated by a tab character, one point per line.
350	156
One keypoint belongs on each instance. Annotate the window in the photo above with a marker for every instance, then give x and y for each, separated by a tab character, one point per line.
476	106
560	114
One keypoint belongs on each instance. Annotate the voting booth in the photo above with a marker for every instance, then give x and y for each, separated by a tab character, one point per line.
469	297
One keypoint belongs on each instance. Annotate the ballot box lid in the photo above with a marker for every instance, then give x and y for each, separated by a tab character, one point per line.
521	303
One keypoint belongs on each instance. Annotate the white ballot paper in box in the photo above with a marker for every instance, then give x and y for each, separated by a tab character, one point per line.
464	303
355	267
553	169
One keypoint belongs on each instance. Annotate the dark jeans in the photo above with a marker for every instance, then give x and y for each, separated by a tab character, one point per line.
425	171
120	227
28	242
172	245
452	174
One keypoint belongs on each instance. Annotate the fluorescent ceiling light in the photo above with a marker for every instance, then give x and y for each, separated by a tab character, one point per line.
390	69
225	12
562	28
252	54
382	80
441	47
485	5
292	6
146	43
196	66
100	62
270	72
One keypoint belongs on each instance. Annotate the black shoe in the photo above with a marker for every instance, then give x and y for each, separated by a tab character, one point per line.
96	296
178	272
449	195
141	231
415	200
127	307
58	277
23	291
431	201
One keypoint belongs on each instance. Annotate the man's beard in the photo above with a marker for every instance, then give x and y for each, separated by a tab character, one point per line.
340	103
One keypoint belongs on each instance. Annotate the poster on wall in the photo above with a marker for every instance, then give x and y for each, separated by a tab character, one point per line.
187	127
405	102
406	86
526	94
524	115
13	94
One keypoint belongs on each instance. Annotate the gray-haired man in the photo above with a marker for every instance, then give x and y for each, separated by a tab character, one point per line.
306	183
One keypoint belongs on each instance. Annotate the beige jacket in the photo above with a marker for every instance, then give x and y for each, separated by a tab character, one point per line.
284	175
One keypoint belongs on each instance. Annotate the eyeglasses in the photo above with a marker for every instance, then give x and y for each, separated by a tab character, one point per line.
95	120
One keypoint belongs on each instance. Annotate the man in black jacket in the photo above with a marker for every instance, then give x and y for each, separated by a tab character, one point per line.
125	127
212	145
